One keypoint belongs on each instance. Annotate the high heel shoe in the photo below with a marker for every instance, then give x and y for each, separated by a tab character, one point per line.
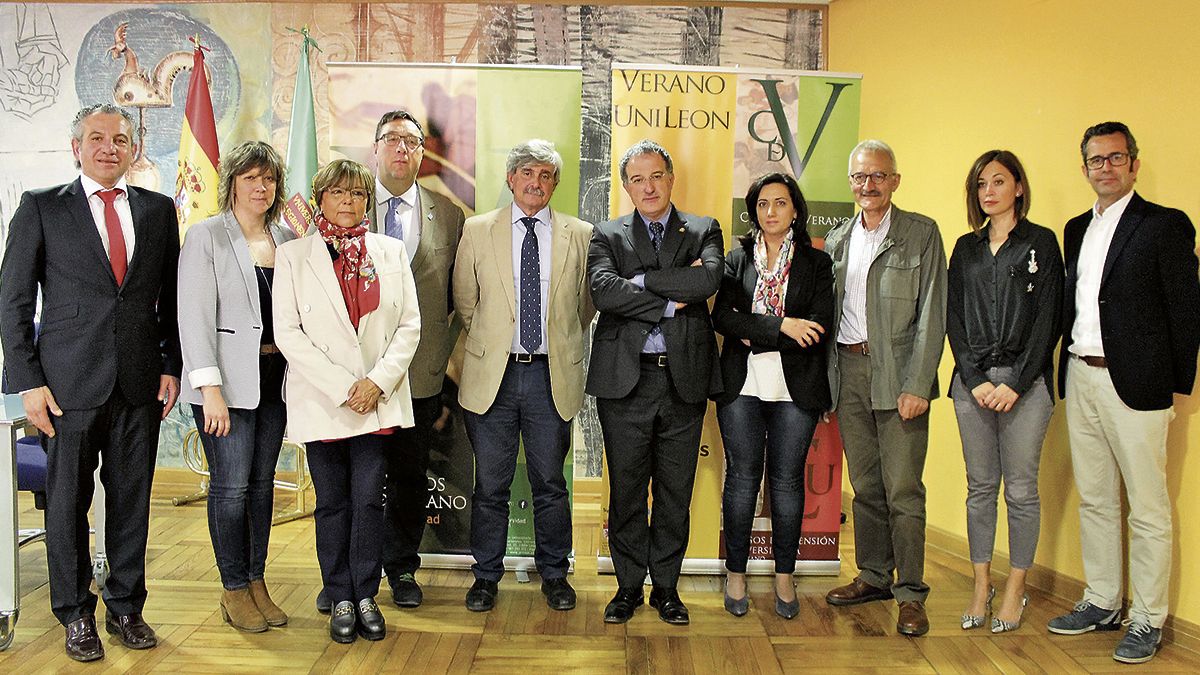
970	621
736	607
787	610
1002	626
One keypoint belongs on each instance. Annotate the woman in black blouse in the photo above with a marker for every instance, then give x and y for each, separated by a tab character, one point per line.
1005	297
774	308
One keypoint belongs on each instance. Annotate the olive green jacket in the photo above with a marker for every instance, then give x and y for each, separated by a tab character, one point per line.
906	308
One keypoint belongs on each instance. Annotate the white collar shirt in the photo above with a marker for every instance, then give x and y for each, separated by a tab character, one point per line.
406	208
864	244
1085	332
543	232
121	204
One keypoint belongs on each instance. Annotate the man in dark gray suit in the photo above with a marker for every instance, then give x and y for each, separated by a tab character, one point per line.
430	226
104	369
654	364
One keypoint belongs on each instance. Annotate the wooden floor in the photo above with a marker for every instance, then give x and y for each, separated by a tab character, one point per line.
523	636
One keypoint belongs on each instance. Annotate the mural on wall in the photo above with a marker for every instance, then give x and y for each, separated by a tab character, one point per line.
253	65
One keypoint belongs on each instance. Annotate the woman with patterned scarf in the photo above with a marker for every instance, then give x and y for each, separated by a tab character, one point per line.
774	308
346	318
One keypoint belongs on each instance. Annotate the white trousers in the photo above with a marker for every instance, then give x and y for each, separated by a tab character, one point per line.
1111	443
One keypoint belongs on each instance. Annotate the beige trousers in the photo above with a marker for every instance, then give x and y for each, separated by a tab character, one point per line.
1111	443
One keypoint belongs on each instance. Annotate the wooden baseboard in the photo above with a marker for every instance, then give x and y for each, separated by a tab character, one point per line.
1176	631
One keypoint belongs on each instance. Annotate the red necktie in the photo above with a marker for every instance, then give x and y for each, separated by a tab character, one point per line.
116	240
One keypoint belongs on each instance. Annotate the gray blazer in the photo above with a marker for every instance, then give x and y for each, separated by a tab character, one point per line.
220	321
906	308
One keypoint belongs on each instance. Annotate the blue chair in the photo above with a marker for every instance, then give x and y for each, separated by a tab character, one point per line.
31	477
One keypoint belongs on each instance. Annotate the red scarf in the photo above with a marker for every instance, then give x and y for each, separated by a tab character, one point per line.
353	267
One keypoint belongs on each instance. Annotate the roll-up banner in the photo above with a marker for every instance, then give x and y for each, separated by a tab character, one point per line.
724	128
472	116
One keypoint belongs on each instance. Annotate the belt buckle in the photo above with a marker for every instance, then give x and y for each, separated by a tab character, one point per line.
662	361
866	349
523	358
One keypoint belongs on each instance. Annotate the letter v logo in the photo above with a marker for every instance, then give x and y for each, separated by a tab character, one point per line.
770	89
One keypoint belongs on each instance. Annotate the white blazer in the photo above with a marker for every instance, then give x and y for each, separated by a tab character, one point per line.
326	356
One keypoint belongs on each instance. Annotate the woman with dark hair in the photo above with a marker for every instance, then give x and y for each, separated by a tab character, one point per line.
774	306
1002	318
233	372
346	317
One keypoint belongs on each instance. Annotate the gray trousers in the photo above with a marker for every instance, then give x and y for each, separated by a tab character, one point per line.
1004	446
885	457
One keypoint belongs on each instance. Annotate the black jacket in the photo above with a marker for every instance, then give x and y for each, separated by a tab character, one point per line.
1149	303
809	296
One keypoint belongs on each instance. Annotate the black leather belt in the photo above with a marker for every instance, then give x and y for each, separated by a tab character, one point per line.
528	358
1094	361
659	360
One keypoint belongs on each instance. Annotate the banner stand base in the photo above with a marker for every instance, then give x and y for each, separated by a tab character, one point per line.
604	565
522	566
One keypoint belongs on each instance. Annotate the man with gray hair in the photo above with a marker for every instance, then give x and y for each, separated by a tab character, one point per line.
521	291
890	316
103	370
654	365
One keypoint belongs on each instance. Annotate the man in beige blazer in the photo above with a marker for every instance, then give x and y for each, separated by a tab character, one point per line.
520	288
430	226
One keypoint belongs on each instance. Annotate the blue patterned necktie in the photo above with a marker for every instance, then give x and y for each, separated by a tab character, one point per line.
656	235
531	289
392	226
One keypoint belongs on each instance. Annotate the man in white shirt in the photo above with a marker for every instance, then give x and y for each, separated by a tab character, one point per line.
1130	338
890	315
103	370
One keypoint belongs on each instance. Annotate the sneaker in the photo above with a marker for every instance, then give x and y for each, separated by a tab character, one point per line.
406	592
1085	617
1139	644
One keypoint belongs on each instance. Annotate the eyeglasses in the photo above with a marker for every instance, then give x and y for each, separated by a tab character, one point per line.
878	176
656	177
411	143
357	194
1113	158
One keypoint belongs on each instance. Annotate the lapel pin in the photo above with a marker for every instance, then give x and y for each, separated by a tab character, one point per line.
429	216
681	229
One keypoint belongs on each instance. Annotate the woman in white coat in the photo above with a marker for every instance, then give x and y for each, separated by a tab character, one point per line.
233	372
346	318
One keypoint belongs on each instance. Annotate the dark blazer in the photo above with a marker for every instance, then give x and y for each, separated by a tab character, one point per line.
620	250
809	296
1149	303
94	335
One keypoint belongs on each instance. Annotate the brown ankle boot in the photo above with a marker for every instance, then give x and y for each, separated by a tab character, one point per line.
270	611
240	612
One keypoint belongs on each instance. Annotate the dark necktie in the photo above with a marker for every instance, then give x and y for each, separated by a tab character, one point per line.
531	289
656	235
392	226
117	255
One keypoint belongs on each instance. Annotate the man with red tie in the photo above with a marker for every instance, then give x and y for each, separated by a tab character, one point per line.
103	369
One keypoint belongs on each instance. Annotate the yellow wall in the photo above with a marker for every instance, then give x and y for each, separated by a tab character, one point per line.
946	80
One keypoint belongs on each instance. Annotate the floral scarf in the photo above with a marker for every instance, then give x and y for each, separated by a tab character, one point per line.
353	267
771	287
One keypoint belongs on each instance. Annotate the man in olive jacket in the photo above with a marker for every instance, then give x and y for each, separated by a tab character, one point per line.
889	321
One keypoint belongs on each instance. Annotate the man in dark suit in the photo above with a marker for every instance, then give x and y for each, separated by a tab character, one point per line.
654	364
430	226
1130	338
104	369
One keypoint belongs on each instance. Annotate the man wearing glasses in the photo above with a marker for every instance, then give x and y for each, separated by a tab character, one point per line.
890	311
430	227
1130	339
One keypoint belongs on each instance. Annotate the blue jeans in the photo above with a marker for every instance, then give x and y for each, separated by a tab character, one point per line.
241	488
779	432
522	414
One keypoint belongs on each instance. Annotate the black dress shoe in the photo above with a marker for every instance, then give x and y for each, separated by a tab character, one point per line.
323	602
670	608
342	622
620	608
83	644
406	592
559	594
134	632
482	596
370	620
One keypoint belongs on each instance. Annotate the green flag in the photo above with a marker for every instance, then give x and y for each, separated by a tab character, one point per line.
302	147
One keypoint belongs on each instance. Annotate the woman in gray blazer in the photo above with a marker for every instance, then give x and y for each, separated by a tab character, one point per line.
233	372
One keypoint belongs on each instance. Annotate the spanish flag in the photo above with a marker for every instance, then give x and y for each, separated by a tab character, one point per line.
196	180
302	147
